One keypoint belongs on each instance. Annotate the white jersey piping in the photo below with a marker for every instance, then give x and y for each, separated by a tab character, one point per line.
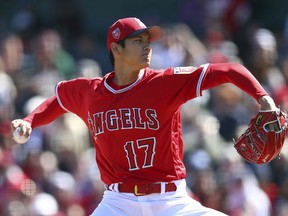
58	98
114	91
198	90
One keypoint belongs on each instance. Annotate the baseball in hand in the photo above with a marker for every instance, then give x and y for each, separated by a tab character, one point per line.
19	138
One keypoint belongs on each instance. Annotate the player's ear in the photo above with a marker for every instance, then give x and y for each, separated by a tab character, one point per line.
115	48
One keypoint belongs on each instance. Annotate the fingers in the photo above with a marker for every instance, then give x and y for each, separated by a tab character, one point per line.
15	123
24	127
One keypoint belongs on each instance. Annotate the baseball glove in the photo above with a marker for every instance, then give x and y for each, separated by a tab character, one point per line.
264	137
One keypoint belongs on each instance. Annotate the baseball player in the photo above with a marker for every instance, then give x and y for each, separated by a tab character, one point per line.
133	116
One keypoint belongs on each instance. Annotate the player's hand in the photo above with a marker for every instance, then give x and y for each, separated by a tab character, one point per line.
267	103
24	128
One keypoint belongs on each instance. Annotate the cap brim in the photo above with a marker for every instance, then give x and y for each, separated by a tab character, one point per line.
155	32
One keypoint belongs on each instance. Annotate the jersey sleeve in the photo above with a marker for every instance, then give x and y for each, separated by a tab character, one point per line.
180	84
184	83
70	94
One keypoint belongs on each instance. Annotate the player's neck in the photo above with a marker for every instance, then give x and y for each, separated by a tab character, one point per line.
125	77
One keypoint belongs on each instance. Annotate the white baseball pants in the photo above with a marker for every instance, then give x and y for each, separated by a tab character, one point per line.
177	203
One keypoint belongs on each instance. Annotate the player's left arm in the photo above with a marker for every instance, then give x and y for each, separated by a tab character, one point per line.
241	77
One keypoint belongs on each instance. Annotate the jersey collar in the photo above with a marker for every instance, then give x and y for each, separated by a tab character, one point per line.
126	88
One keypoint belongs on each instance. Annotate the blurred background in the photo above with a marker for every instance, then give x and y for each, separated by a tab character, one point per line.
43	42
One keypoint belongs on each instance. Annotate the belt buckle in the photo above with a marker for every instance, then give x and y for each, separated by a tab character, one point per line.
136	193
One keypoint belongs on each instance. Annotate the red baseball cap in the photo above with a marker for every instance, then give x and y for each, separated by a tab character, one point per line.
128	27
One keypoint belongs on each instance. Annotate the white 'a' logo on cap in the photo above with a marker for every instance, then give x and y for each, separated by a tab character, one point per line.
116	33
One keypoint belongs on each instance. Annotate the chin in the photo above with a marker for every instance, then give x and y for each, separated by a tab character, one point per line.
145	63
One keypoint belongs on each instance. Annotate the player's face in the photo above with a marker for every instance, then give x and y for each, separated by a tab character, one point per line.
137	51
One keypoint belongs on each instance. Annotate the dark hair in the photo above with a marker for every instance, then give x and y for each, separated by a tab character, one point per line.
111	56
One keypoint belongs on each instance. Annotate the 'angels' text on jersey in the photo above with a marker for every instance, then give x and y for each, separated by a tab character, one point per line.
121	119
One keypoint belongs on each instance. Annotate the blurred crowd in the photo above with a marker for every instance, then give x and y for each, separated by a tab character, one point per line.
55	174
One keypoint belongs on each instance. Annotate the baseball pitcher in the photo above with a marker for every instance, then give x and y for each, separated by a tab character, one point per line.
133	116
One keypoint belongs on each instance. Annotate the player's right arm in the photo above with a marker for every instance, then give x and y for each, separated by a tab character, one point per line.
44	114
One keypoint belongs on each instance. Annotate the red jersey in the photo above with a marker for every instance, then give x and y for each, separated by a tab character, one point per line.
136	129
